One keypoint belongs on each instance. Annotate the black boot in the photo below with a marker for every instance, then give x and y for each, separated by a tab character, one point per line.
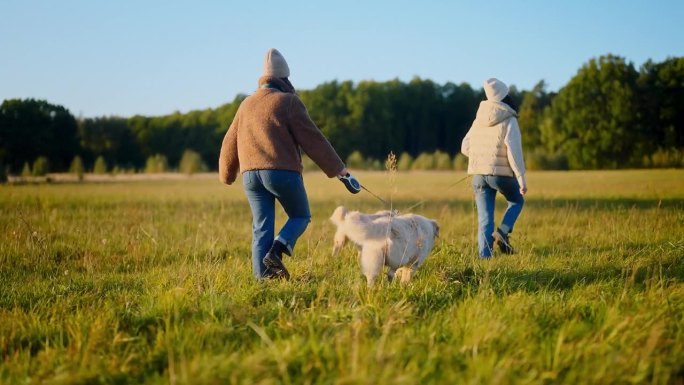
275	268
501	239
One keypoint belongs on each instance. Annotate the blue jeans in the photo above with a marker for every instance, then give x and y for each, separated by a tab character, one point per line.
486	187
262	188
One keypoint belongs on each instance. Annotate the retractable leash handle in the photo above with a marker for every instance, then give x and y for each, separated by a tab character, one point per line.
351	183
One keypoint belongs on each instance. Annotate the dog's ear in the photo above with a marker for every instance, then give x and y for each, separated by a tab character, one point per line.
339	214
436	227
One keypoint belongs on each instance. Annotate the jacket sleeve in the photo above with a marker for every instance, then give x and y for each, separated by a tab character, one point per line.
513	141
229	165
465	145
311	139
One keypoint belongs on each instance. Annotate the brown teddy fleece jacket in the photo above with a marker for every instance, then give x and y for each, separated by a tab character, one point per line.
268	131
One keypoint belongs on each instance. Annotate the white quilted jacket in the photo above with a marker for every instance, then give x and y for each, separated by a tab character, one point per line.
493	144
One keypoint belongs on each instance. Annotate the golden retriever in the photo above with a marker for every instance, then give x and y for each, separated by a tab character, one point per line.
401	242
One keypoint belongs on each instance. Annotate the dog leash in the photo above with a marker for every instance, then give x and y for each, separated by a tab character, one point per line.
448	187
371	193
458	181
417	204
354	186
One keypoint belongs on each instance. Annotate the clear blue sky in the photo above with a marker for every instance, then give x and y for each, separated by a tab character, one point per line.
153	57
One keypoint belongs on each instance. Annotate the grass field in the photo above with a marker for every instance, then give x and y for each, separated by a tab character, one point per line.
150	282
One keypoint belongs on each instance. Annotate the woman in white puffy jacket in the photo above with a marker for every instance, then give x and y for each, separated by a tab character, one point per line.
495	159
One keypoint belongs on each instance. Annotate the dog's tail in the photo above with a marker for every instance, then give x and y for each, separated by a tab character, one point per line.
435	226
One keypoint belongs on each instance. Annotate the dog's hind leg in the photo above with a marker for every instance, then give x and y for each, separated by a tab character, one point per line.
372	261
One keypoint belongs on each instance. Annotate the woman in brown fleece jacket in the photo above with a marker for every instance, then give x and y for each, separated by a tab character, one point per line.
263	143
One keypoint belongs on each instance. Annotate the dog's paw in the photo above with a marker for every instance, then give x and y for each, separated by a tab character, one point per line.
404	274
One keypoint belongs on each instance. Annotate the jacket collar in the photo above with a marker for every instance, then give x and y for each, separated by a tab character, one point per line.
275	83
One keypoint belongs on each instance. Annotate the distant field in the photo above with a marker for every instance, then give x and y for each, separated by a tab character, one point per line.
149	281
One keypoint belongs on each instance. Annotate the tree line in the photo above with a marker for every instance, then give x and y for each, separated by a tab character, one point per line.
609	115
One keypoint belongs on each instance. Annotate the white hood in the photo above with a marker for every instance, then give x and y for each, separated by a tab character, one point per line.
491	113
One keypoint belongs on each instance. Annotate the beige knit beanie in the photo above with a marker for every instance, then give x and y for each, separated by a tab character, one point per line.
495	89
275	64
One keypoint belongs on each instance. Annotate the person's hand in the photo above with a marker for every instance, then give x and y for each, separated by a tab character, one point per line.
351	183
523	190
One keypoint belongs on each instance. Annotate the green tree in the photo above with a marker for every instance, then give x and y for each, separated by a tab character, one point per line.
442	161
460	106
420	108
31	128
355	160
460	162
530	115
424	161
328	106
100	166
593	119
200	131
661	101
376	118
112	138
405	161
77	168
191	163
156	164
41	166
26	170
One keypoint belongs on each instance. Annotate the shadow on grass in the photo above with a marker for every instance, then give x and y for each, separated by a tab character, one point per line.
506	280
463	282
532	202
548	279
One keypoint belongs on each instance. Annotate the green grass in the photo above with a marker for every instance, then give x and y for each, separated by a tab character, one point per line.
150	282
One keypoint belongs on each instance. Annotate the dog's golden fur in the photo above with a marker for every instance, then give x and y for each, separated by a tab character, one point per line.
401	242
